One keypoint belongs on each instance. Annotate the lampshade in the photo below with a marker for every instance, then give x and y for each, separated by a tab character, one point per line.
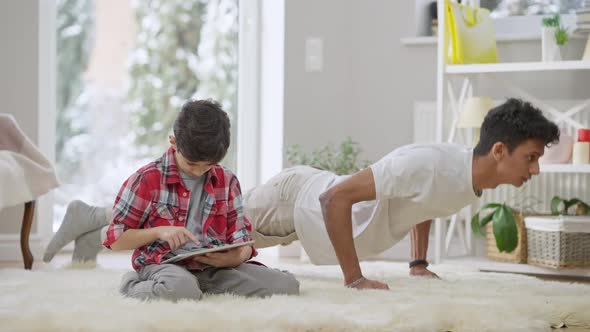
474	111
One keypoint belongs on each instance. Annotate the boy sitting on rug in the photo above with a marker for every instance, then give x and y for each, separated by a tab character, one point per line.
184	201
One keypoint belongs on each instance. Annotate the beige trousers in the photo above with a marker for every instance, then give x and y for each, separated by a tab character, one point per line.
270	206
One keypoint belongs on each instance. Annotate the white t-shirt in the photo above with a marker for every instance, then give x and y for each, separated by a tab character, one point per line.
413	183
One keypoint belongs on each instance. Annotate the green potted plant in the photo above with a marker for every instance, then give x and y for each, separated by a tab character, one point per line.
560	206
506	220
504	225
554	36
341	160
561	35
552	21
507	223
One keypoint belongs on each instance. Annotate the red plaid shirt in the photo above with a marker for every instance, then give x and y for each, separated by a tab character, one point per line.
155	196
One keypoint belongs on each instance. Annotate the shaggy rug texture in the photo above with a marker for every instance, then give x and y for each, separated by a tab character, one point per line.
75	299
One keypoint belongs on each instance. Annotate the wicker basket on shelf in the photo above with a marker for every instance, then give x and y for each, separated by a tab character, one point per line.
519	254
561	242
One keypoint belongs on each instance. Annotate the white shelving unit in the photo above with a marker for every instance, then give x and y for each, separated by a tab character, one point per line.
514	67
449	103
564	168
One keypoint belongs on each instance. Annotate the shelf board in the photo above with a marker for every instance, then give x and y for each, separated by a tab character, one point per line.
490	266
420	40
433	40
501	38
565	168
509	67
485	265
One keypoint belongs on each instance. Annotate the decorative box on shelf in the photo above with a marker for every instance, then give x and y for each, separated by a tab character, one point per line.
519	254
558	242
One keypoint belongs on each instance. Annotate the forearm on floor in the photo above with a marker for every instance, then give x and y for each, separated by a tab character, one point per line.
419	237
338	220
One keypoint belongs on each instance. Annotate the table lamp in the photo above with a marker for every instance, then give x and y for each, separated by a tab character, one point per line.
473	113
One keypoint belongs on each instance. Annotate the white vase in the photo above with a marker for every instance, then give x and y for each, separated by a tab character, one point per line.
561	152
550	49
586	56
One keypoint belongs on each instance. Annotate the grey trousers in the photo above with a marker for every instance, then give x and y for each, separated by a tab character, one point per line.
173	282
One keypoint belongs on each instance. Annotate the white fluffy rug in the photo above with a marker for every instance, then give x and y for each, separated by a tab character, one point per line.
87	300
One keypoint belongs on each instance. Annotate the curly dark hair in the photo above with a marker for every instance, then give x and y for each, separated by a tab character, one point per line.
202	131
512	123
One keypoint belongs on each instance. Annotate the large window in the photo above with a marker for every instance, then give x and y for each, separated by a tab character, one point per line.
124	69
504	8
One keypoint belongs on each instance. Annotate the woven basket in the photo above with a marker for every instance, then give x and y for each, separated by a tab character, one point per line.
558	250
518	255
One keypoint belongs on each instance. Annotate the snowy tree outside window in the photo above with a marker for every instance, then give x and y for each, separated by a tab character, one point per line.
503	8
124	70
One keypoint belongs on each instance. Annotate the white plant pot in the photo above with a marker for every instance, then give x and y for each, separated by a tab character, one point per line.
550	49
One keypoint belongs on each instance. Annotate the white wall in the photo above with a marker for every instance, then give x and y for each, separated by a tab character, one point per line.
18	78
26	83
272	55
371	80
367	87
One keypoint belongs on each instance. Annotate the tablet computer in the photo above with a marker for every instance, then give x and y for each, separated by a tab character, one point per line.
203	251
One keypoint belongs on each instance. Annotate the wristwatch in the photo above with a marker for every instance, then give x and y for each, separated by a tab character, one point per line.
419	262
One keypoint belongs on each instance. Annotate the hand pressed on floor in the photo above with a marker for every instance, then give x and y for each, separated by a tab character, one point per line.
370	284
422	271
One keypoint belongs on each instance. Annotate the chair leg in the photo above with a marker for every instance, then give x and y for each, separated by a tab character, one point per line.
25	231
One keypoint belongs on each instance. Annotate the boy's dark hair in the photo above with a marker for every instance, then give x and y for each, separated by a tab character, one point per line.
202	131
512	123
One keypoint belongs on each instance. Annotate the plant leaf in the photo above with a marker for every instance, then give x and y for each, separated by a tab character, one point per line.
505	229
572	202
476	224
555	203
490	206
487	219
475	228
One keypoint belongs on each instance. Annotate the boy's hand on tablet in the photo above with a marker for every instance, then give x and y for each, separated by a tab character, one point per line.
176	236
228	258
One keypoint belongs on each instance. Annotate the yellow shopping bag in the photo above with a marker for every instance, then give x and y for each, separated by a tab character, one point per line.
470	35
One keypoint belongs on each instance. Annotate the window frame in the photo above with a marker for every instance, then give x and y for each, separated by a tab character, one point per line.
47	26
